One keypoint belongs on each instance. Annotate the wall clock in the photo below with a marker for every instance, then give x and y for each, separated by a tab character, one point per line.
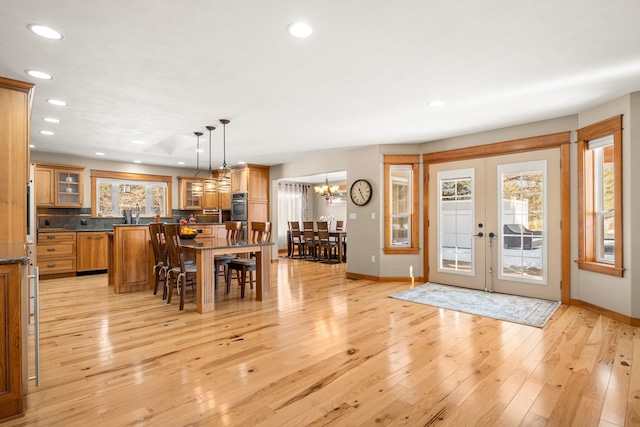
361	192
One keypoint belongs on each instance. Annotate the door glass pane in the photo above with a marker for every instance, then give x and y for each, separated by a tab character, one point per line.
455	219
522	221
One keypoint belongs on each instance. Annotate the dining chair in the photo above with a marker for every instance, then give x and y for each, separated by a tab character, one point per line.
160	266
221	262
310	243
308	225
327	245
297	241
322	225
342	226
179	273
260	232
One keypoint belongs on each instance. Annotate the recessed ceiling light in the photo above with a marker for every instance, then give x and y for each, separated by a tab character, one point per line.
242	163
137	161
300	29
51	120
57	102
181	163
200	150
137	141
32	146
39	74
46	132
99	153
436	103
46	32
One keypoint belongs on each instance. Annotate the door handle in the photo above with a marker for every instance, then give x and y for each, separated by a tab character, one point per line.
480	234
492	234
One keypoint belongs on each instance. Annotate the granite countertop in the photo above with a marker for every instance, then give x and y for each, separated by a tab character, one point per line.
13	253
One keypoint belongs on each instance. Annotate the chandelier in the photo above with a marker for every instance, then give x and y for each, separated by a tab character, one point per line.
325	190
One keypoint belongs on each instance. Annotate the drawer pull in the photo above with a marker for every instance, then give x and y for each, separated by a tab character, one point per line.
96	237
51	249
51	236
51	265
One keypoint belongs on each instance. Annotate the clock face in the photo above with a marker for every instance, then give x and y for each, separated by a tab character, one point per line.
361	192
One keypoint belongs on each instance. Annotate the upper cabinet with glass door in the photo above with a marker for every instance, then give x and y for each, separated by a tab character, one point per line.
59	186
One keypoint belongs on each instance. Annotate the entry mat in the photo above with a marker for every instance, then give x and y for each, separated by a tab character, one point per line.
512	308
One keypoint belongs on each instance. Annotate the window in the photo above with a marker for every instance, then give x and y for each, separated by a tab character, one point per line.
600	197
114	192
401	204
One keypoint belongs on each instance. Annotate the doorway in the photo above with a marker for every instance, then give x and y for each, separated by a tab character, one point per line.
495	223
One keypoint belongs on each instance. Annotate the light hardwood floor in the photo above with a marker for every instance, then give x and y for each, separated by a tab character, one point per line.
322	350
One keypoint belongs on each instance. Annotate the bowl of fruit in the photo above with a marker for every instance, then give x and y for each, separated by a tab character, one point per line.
188	233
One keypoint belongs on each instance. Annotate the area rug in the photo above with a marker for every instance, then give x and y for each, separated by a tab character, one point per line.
527	311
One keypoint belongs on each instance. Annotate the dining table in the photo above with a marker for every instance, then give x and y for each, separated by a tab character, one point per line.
339	235
204	249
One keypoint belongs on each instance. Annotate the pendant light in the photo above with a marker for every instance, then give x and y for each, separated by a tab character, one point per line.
224	181
210	184
196	186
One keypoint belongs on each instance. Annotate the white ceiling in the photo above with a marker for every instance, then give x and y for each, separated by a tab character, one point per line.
158	70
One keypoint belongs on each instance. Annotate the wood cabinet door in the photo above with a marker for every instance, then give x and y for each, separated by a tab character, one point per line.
43	181
12	277
187	201
69	188
92	251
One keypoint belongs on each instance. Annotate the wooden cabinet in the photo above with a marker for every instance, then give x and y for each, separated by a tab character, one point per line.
59	186
56	253
253	179
15	101
14	161
131	258
13	279
187	201
210	230
92	251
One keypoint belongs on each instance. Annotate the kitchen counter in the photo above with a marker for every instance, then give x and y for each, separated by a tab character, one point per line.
13	253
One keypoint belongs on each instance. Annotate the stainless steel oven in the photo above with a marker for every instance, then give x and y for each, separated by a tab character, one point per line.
239	207
239	211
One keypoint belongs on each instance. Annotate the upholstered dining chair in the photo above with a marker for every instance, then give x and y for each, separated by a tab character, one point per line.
180	273
160	265
260	232
221	262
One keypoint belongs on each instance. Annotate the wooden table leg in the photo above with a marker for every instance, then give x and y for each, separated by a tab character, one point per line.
263	272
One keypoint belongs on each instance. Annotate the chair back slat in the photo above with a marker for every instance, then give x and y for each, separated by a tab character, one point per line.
174	250
157	242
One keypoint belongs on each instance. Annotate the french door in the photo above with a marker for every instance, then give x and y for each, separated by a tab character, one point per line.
494	224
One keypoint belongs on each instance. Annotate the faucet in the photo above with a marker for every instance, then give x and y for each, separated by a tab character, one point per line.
137	213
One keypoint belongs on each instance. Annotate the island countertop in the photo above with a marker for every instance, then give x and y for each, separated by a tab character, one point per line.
13	253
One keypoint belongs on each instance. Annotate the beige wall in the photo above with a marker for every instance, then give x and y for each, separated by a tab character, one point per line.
610	292
366	235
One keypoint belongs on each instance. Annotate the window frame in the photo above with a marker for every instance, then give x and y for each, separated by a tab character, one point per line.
587	221
128	176
413	161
